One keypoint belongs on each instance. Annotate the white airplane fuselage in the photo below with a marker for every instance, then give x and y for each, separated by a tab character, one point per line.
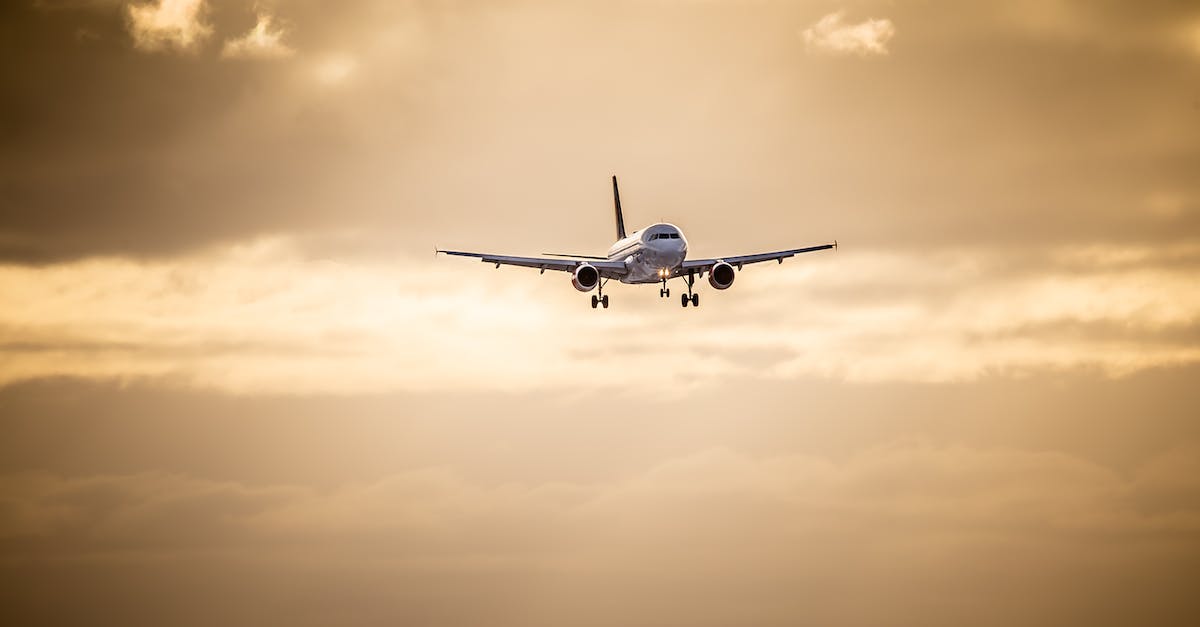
651	254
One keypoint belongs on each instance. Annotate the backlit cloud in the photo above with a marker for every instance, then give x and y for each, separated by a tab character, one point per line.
831	34
264	41
168	24
260	317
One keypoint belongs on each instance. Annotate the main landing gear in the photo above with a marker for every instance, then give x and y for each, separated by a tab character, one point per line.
694	298
601	299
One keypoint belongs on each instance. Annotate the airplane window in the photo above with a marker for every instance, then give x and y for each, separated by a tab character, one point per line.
674	236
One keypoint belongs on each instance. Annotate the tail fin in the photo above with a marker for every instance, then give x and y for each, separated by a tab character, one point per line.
617	205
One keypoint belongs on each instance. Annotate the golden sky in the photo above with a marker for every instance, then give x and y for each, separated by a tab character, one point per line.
237	387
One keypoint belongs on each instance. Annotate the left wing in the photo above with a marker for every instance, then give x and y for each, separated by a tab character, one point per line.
703	265
608	269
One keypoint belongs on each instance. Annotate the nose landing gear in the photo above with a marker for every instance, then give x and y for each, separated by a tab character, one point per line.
664	292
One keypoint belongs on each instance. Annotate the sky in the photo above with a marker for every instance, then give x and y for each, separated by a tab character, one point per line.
238	387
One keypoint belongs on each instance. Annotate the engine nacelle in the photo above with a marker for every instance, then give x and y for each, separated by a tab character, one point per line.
585	278
721	275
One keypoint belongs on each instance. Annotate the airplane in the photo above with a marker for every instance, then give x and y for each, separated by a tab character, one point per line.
650	255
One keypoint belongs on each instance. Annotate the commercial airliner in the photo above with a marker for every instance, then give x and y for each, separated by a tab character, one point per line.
651	255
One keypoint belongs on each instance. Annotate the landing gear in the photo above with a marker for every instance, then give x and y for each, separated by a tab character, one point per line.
684	299
665	292
600	299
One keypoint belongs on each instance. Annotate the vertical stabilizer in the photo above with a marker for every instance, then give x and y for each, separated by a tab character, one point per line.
617	206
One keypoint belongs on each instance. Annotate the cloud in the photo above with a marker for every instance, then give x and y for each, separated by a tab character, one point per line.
943	487
710	532
832	35
169	24
264	41
260	317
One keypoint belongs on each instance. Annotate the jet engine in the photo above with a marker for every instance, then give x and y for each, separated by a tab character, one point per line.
721	275
585	278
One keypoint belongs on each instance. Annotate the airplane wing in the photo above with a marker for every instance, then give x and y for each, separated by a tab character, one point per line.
608	269
702	265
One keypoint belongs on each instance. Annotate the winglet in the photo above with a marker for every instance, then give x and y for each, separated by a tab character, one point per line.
835	244
617	206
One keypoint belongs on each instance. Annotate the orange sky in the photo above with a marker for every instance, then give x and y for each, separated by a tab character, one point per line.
237	387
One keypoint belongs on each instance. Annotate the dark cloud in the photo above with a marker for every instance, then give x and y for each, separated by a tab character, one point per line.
455	124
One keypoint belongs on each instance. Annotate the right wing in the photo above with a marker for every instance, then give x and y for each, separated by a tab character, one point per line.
704	265
608	269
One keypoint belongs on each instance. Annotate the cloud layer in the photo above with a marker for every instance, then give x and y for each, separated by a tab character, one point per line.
401	120
263	318
716	535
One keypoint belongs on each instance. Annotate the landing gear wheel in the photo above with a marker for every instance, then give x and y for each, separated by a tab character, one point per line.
695	300
604	301
683	300
668	292
595	301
